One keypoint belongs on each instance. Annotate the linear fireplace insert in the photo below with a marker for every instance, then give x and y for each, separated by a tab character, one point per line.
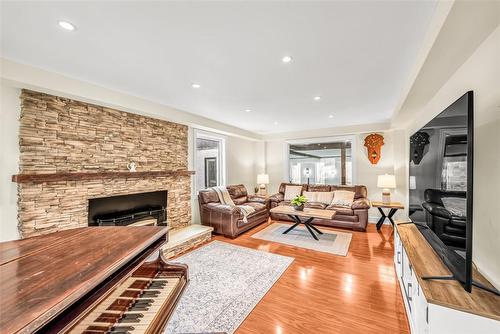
130	209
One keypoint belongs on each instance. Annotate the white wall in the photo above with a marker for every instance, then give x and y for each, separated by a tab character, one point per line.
9	160
480	73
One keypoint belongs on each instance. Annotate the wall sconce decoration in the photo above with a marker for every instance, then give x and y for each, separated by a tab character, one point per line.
373	143
417	145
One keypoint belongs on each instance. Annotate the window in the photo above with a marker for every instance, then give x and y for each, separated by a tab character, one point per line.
328	162
454	169
209	159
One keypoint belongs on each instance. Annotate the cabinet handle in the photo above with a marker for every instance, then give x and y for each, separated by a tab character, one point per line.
397	257
409	291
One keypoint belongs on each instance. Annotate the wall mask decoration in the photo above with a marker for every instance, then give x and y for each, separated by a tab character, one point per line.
373	143
417	146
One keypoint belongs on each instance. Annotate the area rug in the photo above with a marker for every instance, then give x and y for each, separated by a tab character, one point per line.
225	284
332	242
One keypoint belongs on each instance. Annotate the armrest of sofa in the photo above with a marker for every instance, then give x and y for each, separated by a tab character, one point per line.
279	197
436	210
258	199
360	203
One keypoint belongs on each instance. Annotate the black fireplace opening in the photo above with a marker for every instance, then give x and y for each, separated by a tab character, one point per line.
129	209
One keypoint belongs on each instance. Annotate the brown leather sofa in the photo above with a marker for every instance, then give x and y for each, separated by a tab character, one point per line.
228	220
355	217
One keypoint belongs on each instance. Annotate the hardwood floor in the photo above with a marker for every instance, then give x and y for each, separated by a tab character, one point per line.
325	293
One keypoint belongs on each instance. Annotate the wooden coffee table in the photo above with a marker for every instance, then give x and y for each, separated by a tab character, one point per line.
308	213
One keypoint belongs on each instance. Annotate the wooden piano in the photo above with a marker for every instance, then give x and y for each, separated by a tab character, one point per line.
91	280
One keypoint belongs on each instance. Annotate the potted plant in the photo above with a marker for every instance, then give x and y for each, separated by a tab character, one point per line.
298	202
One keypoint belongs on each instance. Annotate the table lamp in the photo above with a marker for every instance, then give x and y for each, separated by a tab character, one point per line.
262	180
386	182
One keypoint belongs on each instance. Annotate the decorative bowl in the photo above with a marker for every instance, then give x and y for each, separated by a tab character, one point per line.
299	207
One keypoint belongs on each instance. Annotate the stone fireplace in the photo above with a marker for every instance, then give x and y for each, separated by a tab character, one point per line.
74	152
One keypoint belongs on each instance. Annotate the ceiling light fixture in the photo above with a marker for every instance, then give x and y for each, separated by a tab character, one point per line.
195	85
248	110
67	25
275	123
330	116
286	59
317	98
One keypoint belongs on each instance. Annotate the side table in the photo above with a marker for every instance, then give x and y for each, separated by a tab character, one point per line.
392	206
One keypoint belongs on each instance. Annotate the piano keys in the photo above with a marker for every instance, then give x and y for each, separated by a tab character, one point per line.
128	287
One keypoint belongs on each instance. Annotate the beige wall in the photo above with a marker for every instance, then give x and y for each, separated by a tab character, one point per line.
480	73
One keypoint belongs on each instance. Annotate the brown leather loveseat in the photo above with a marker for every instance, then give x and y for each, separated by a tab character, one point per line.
228	220
355	217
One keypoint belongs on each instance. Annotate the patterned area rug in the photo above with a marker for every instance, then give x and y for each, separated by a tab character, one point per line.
226	282
333	242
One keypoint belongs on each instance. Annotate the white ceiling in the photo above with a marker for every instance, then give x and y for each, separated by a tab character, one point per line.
356	55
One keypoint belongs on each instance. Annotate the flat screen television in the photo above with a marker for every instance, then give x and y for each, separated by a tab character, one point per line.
440	186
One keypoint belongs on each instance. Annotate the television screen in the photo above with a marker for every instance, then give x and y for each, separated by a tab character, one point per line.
440	185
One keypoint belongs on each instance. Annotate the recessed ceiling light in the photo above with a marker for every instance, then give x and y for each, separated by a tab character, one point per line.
67	25
286	59
195	85
248	110
330	116
317	98
275	123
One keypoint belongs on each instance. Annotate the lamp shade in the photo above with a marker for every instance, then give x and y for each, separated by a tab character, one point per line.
386	181
262	179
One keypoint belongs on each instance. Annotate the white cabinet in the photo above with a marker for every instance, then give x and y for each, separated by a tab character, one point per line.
428	318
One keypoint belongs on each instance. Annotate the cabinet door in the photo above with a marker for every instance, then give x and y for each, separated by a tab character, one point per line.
421	311
398	254
408	280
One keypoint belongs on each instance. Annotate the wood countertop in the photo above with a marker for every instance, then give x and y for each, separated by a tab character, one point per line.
450	294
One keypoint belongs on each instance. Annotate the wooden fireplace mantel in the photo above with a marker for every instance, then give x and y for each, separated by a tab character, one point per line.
81	176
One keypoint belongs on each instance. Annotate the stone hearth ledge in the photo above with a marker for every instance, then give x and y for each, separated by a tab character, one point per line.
185	238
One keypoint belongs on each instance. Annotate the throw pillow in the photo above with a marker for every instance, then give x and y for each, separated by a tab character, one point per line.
343	198
291	192
324	197
456	205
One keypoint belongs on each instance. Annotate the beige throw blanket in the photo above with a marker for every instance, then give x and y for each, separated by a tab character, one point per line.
225	198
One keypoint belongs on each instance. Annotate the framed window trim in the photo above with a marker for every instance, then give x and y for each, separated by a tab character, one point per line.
198	133
319	140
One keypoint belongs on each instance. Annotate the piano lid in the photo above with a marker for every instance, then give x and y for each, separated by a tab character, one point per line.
42	276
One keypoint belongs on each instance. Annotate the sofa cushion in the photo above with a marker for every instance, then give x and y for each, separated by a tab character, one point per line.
240	200
208	196
283	186
325	197
257	206
318	187
359	191
292	191
315	205
343	198
341	210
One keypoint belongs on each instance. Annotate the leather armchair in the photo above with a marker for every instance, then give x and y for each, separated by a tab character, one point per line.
449	228
228	220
